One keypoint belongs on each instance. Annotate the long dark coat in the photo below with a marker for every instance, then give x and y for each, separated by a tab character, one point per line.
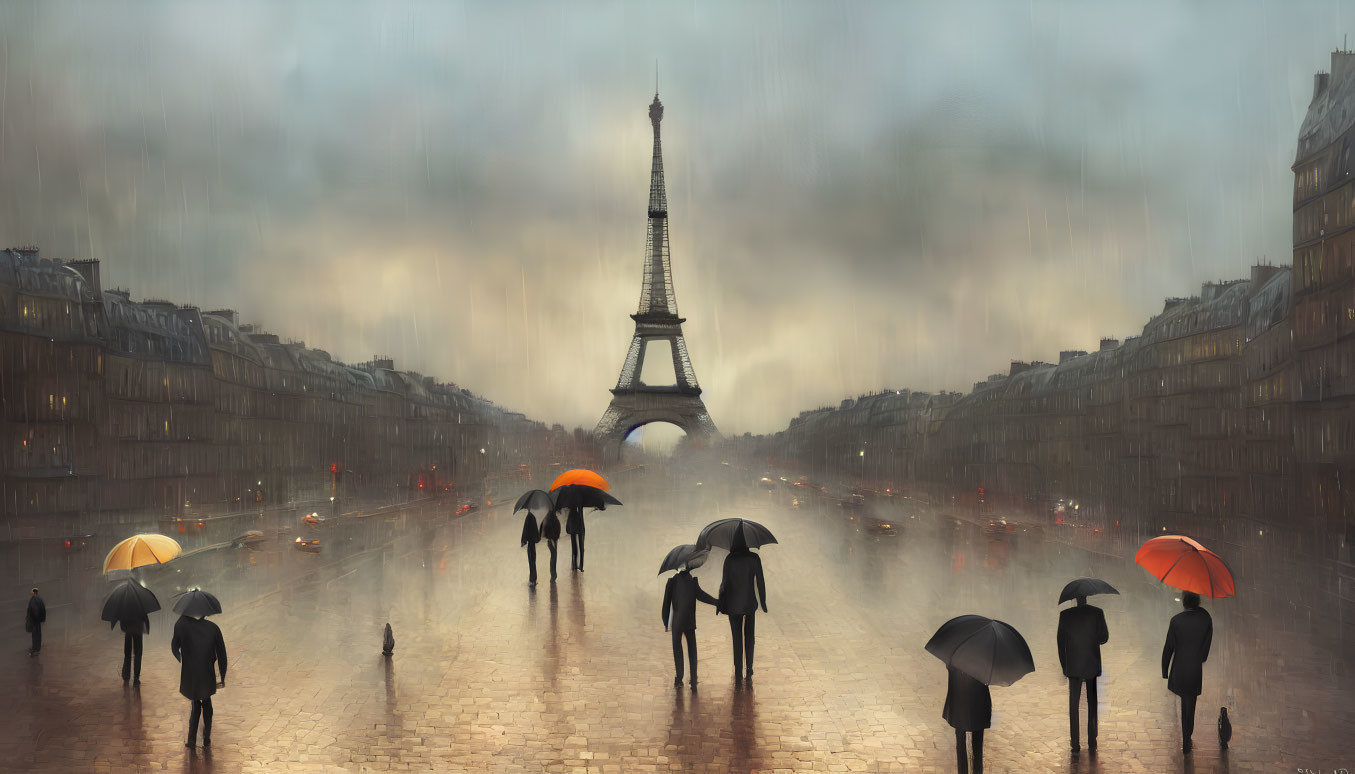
742	572
550	527
1188	639
574	522
140	625
680	597
1082	632
969	705
36	614
200	649
530	533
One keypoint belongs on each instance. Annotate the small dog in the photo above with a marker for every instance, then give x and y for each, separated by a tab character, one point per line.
1225	728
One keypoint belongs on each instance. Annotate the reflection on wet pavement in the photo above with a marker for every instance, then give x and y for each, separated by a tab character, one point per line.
490	674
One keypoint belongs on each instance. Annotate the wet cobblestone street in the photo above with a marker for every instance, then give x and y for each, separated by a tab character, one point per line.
491	675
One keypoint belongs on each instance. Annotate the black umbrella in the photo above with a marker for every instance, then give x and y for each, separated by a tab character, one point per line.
989	651
582	496
129	601
688	554
1085	587
731	533
196	604
535	500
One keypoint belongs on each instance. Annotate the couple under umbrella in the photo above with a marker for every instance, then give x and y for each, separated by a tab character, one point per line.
572	491
742	591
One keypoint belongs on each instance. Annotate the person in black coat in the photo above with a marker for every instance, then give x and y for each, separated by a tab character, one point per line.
1188	639
132	631
1082	632
200	649
550	530
574	526
34	618
739	600
679	617
969	707
530	537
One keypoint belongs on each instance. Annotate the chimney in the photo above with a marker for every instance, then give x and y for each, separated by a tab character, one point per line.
1320	82
1069	354
1260	275
227	314
1109	344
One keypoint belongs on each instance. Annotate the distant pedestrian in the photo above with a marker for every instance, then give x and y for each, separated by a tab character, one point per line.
968	708
34	618
201	651
132	631
1082	632
679	617
1188	639
530	537
574	526
742	590
550	530
388	641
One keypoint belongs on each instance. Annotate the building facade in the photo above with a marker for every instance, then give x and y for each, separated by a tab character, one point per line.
112	409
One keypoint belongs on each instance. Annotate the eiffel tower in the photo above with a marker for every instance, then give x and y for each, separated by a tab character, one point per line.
635	403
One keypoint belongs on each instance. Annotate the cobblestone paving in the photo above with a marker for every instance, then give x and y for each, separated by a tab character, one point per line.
489	675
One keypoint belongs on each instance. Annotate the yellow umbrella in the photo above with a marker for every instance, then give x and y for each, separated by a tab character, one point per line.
141	550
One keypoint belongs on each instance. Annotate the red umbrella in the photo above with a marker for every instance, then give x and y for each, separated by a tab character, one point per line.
1182	563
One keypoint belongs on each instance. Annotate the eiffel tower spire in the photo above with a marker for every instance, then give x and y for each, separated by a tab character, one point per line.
656	294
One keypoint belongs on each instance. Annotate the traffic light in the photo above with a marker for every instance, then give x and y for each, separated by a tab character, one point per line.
334	467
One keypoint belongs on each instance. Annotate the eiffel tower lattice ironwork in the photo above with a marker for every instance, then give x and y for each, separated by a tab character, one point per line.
635	403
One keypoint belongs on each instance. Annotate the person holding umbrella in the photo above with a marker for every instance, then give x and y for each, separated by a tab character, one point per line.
742	573
1082	632
200	649
572	488
680	596
978	652
129	606
1183	563
531	534
574	526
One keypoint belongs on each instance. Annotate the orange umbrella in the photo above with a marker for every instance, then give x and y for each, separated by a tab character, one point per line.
141	550
1182	563
580	476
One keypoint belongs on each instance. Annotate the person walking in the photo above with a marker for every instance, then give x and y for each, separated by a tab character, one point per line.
34	618
550	530
132	631
742	590
1082	632
1189	636
531	535
200	649
680	596
574	526
968	708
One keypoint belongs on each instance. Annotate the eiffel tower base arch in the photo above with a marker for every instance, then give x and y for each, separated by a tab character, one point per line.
628	411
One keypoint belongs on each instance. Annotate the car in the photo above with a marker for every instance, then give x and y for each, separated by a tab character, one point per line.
766	483
309	546
465	508
311	518
876	527
853	501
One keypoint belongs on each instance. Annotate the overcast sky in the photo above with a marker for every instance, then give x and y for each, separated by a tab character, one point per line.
900	195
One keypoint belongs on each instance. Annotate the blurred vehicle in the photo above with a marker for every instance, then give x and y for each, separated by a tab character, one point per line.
876	527
76	542
249	540
312	518
853	501
1000	527
311	546
766	483
465	508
